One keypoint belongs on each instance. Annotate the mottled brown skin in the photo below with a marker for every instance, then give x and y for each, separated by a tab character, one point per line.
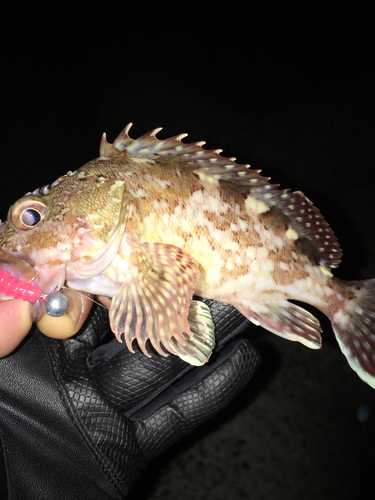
189	224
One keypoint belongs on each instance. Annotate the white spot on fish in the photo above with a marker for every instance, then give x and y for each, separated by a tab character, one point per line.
178	211
255	267
207	178
140	193
163	183
229	244
292	234
242	224
268	266
224	207
197	196
229	265
214	203
325	271
255	205
161	206
251	252
262	253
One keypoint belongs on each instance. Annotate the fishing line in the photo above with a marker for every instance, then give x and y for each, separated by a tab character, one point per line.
60	288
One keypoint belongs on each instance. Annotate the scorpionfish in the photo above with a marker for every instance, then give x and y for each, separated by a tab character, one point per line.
150	222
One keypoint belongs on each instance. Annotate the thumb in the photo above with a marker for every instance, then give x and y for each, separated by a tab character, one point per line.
67	325
15	324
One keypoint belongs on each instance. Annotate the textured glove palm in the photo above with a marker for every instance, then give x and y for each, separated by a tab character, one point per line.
79	419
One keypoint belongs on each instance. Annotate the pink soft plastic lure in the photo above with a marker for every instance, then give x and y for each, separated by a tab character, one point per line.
18	289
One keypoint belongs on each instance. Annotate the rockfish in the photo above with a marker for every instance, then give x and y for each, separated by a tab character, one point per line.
150	222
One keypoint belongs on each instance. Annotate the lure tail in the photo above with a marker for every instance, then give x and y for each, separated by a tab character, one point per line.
354	327
19	289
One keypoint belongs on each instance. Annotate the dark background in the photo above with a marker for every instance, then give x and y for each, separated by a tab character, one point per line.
290	90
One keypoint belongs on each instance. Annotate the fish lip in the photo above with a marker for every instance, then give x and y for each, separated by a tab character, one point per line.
18	268
47	277
17	265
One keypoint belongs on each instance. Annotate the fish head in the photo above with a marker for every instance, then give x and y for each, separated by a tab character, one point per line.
64	230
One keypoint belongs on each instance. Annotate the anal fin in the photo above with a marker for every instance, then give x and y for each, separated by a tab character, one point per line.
284	319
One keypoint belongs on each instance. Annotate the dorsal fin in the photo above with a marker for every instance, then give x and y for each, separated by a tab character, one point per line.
304	217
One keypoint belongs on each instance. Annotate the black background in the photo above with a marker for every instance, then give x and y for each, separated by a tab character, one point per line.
288	89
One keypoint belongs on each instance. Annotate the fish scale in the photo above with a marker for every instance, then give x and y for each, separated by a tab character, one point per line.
152	222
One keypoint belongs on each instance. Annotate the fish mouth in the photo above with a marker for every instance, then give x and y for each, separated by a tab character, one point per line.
46	277
17	266
28	282
17	281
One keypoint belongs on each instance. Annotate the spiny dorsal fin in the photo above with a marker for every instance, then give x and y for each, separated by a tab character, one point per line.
305	219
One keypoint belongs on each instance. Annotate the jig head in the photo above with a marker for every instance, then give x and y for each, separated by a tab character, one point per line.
56	304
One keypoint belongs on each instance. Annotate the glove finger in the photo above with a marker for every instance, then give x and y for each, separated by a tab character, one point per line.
195	398
130	381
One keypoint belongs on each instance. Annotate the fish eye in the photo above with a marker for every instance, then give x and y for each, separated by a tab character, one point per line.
31	217
27	213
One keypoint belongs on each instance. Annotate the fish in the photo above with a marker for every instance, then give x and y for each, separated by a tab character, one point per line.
153	222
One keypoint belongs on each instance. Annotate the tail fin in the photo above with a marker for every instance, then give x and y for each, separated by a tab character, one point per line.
354	328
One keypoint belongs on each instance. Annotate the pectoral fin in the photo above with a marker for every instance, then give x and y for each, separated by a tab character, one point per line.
155	304
284	319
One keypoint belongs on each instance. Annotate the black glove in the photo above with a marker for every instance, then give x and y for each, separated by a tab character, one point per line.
79	422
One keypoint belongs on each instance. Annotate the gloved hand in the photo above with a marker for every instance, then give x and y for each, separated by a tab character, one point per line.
79	418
